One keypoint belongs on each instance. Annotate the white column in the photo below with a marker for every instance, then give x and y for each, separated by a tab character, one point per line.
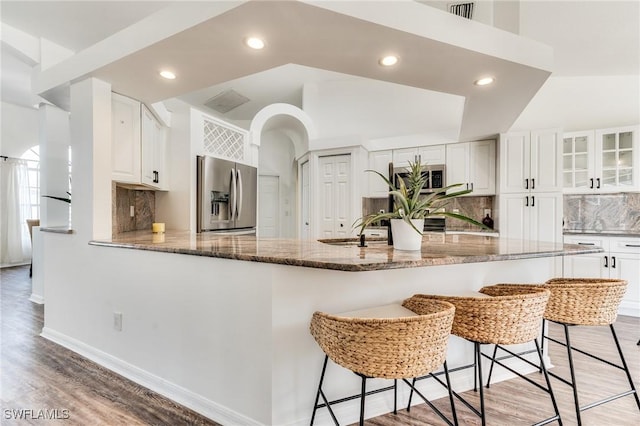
54	165
91	158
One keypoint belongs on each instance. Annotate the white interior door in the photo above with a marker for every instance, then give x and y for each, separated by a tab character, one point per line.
269	211
305	208
334	183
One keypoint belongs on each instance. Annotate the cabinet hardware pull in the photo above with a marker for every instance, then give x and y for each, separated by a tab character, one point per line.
598	185
472	186
632	245
533	183
606	261
613	261
533	201
526	203
587	244
342	225
526	184
591	186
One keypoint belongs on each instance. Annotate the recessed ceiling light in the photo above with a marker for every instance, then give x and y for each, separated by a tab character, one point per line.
254	43
484	81
388	61
167	74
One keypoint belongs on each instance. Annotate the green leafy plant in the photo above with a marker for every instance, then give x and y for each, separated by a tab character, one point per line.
410	204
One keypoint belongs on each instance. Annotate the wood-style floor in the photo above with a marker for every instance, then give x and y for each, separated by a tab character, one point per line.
36	374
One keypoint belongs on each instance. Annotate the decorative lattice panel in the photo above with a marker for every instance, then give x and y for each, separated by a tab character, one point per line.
223	141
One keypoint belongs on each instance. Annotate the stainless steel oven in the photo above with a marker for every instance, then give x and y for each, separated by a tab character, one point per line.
434	175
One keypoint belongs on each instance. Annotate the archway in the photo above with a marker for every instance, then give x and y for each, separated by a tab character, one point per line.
282	132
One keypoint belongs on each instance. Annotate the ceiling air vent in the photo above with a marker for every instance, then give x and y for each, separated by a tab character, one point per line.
226	101
462	9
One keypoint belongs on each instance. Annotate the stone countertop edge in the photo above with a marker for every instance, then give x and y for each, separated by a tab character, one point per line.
344	258
623	234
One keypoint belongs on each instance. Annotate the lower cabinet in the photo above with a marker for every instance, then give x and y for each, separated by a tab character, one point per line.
620	259
531	217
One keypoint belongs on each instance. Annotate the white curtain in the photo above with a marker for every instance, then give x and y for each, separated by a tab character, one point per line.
15	243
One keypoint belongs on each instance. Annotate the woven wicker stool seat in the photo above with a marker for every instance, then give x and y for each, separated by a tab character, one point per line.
402	345
511	315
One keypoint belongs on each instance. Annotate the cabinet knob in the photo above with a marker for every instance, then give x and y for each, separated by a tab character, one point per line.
342	225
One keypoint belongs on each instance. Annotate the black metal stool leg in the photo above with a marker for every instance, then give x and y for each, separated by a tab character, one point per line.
573	374
364	391
315	405
413	383
546	378
493	361
624	365
475	370
479	364
453	405
395	396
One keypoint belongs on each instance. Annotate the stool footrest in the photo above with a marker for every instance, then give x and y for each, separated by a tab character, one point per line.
352	397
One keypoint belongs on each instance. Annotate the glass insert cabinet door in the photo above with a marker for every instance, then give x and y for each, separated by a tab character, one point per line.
616	158
578	165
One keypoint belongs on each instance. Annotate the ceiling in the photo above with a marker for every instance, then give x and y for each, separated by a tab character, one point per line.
329	47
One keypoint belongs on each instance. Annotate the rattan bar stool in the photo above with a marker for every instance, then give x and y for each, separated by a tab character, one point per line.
510	316
390	342
586	302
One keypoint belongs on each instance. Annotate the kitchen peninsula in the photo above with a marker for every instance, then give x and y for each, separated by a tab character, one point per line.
228	320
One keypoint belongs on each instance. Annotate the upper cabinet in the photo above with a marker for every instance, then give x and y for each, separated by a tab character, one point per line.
153	151
125	139
530	162
427	155
379	161
138	144
599	161
472	164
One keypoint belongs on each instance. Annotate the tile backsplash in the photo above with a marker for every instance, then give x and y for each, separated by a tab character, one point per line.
604	212
144	204
472	207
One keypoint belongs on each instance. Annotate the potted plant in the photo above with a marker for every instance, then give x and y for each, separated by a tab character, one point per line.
411	208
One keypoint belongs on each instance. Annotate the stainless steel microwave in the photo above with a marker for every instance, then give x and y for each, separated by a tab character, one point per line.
434	175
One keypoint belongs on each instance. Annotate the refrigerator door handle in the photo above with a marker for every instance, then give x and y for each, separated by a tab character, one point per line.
232	196
239	197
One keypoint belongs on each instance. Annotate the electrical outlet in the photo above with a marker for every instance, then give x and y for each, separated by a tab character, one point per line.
132	211
117	321
487	212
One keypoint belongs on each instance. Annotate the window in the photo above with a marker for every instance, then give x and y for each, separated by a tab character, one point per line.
31	203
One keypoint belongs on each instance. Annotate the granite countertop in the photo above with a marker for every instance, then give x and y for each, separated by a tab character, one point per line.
614	233
343	255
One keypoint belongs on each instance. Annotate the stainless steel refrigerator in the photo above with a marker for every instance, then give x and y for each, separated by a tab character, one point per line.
226	195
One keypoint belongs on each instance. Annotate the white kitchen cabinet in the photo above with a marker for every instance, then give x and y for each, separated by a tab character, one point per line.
379	161
125	136
138	144
620	259
531	217
615	152
474	165
530	162
601	161
153	151
427	155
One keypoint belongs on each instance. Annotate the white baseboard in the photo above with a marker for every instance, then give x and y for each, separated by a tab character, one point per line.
196	402
36	298
629	308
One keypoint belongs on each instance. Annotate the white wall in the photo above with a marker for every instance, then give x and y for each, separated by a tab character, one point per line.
19	129
583	103
277	158
176	207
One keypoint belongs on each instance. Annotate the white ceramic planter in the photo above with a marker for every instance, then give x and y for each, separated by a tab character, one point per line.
404	236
